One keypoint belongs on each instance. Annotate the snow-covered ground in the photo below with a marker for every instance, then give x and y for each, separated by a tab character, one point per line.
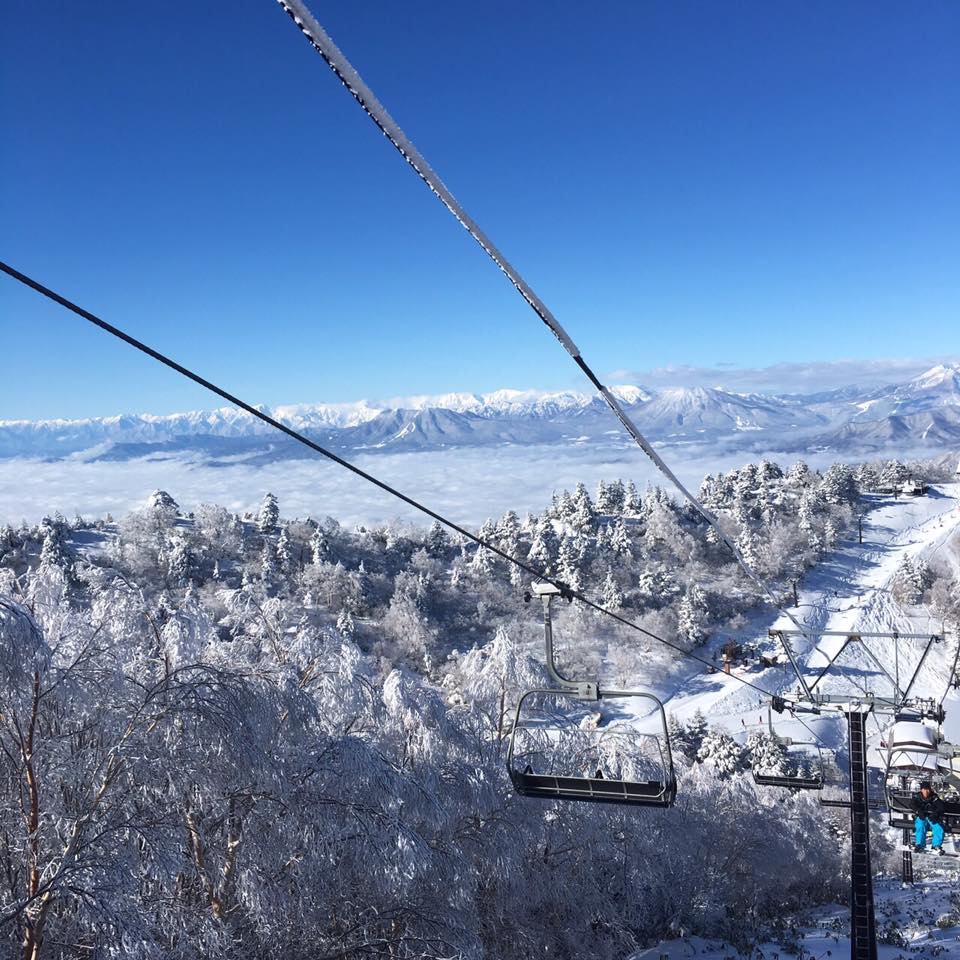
849	591
922	921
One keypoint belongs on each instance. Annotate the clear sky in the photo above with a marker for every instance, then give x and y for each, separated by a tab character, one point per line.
684	183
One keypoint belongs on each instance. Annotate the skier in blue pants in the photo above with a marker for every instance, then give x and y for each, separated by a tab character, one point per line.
928	815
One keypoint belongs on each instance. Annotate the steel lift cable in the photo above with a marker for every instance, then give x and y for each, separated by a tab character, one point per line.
352	80
330	455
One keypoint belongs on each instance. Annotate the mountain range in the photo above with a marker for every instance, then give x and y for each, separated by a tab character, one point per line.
922	412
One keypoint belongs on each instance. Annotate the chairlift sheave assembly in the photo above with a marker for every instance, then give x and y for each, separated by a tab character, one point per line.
601	763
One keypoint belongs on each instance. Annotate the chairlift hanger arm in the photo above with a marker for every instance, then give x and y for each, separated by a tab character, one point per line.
926	650
581	689
781	635
953	672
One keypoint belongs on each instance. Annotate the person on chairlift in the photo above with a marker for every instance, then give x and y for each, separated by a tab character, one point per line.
928	815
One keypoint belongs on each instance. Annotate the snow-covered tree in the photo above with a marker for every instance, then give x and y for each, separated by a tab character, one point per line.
690	616
437	543
268	564
723	753
799	475
319	547
768	755
181	561
839	485
620	541
345	625
284	555
893	474
697	730
746	544
52	552
268	514
162	504
544	547
909	581
583	515
611	593
482	564
680	741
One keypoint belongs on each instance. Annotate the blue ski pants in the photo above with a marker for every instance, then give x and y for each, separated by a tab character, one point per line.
921	826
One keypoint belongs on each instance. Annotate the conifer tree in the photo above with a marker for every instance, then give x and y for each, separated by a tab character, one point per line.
284	558
437	542
616	497
620	541
568	562
723	753
611	593
180	561
544	548
482	563
319	548
268	565
583	512
51	551
680	742
268	514
697	730
345	625
690	616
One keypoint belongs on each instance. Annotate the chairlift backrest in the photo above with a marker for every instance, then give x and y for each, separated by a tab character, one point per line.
553	757
612	767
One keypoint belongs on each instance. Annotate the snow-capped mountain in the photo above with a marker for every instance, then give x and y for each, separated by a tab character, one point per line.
925	410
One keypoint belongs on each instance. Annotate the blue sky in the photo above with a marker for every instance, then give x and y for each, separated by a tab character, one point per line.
685	184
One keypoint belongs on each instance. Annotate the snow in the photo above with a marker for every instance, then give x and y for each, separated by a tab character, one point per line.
865	421
847	591
924	916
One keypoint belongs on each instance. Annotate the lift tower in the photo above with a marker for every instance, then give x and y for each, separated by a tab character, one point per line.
863	935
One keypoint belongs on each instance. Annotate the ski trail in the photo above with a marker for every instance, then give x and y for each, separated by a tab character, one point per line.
847	591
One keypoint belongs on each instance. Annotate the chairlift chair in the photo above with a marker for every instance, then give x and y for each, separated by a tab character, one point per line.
916	752
613	767
800	780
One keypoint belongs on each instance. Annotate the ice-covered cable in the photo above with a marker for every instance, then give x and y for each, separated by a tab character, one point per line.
346	464
352	80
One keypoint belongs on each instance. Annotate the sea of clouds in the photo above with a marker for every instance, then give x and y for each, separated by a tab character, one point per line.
467	484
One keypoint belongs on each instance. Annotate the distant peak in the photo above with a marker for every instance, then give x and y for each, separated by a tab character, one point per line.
936	376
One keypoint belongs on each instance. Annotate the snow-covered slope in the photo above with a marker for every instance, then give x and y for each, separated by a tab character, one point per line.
849	591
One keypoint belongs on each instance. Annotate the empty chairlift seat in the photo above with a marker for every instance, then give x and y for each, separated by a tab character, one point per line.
560	749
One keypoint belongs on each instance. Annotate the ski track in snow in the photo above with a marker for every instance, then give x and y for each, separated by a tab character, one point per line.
848	590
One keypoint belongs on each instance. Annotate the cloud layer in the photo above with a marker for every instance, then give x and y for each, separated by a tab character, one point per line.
804	378
467	485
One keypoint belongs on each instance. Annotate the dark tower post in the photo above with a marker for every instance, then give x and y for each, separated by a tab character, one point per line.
863	934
